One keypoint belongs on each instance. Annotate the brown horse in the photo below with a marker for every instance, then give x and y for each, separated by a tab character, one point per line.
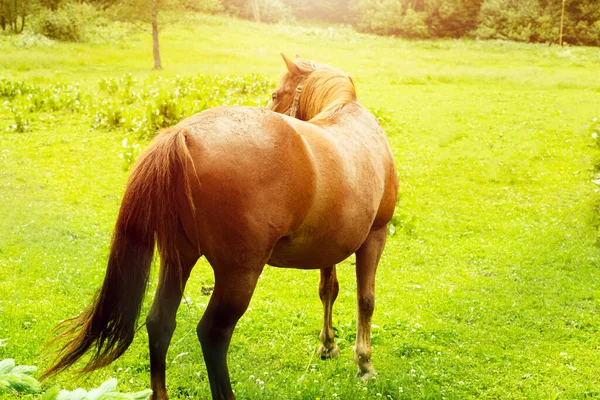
246	187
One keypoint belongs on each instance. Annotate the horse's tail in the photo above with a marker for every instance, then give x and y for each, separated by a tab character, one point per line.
148	213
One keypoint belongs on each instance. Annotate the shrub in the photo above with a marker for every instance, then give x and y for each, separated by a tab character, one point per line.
588	33
68	23
273	11
381	17
203	6
448	18
522	21
412	25
390	17
58	25
270	11
29	39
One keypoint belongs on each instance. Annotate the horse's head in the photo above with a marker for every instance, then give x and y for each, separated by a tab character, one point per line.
308	90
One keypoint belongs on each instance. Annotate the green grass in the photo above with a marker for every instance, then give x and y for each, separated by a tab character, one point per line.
491	289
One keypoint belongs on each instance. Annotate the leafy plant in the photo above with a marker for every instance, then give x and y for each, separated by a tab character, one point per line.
11	89
145	107
17	378
106	391
21	123
383	115
595	130
129	154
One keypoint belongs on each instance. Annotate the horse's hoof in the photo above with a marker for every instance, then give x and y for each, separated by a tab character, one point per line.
366	375
331	353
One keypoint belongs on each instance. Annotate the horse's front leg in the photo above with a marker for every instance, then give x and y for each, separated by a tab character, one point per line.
367	258
233	290
328	291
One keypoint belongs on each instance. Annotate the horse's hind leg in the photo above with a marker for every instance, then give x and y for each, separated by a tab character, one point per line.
328	291
367	258
234	286
160	321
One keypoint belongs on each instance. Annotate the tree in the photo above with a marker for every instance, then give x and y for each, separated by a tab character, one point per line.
255	10
138	12
13	14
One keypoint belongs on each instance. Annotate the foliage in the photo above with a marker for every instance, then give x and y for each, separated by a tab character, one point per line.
106	391
595	130
145	107
270	11
139	109
451	18
539	21
17	378
383	115
510	20
21	122
61	24
331	10
203	6
390	17
527	20
38	98
29	39
13	14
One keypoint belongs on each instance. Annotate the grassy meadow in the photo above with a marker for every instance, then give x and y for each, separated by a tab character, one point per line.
489	288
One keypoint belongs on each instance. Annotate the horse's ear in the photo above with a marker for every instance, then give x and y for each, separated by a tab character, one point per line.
291	66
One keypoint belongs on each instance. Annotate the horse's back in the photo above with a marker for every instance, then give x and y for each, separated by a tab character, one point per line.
253	181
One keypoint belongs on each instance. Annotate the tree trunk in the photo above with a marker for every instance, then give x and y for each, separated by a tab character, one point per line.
155	46
256	10
23	14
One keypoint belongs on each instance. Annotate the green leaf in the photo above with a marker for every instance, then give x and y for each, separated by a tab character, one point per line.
6	365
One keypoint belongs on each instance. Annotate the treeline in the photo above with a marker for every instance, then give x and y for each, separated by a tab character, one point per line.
518	20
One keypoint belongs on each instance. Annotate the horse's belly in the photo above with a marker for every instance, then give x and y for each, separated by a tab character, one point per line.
316	253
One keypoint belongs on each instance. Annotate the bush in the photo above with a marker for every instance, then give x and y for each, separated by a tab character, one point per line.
389	17
203	6
58	25
273	11
381	17
588	33
412	25
522	21
29	39
270	11
68	23
448	18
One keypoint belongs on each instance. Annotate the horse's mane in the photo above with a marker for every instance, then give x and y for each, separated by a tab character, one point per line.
326	90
